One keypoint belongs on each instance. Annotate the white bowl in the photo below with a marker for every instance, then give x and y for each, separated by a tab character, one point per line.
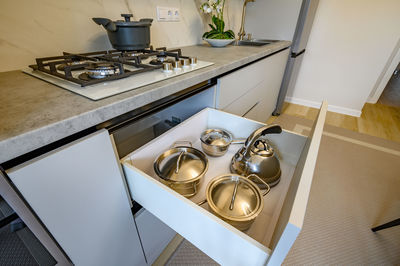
219	42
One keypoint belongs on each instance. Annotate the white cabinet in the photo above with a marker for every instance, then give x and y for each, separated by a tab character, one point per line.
77	191
274	231
85	175
154	234
252	91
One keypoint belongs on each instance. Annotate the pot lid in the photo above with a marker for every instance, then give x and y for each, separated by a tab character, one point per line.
247	202
128	22
262	147
216	137
181	164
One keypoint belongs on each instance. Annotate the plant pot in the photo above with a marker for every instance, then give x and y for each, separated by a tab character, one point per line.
219	42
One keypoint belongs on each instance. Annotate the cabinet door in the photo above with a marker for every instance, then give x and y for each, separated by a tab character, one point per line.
241	90
78	193
154	234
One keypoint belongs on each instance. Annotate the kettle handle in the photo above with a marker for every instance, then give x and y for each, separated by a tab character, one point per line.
270	129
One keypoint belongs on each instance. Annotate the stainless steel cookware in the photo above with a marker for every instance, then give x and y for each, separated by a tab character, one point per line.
215	142
236	199
257	156
181	168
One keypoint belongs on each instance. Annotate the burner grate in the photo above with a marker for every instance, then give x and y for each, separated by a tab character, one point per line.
66	65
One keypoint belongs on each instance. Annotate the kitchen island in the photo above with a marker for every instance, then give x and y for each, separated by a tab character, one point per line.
35	113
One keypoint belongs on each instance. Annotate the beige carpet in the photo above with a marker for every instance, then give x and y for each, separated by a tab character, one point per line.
356	186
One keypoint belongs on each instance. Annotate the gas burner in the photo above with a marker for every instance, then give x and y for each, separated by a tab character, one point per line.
162	59
73	63
100	70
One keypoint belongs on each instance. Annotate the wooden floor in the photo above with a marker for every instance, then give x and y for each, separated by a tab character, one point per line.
376	120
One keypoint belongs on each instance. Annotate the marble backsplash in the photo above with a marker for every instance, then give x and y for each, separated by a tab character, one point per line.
39	28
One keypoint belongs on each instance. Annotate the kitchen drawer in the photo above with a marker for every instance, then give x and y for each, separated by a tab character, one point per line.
245	103
269	70
274	231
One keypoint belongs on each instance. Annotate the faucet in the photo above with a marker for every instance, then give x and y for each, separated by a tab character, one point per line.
242	33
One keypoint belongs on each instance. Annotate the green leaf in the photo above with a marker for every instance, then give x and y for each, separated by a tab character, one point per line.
219	23
212	26
230	33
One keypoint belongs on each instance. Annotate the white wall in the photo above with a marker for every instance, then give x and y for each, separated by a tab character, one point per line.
38	28
349	46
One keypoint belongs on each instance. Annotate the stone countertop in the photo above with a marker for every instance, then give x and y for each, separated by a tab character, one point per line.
35	113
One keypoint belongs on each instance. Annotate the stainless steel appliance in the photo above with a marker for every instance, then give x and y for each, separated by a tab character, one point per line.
300	39
283	20
97	75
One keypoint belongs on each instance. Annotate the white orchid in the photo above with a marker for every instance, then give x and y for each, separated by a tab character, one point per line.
216	9
213	6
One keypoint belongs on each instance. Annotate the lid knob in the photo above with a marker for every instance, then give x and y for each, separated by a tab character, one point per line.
127	17
263	148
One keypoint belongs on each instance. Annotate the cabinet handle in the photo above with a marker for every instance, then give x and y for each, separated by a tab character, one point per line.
251	108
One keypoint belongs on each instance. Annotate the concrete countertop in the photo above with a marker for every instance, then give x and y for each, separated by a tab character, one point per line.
35	113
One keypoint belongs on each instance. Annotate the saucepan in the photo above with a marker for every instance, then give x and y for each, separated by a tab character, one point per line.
215	142
127	35
236	199
182	168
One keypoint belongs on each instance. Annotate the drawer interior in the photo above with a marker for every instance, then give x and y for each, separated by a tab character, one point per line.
290	146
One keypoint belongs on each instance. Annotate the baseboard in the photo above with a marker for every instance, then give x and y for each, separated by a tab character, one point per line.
332	108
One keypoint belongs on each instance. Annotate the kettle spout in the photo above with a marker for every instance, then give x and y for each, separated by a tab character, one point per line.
106	23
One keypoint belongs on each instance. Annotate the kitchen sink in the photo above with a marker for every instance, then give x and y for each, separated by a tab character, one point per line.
256	42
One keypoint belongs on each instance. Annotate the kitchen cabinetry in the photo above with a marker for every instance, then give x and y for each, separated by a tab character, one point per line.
154	234
78	193
276	228
85	175
252	91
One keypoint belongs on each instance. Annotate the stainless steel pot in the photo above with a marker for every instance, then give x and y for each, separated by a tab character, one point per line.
127	35
215	142
257	156
182	168
236	199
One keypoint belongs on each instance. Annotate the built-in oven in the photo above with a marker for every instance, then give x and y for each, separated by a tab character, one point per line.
133	130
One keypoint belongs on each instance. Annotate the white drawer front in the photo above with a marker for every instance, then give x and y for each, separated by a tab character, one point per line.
222	242
236	84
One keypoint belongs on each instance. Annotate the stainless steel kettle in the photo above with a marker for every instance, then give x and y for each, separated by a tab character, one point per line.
257	156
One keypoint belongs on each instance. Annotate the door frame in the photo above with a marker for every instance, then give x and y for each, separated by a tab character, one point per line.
386	74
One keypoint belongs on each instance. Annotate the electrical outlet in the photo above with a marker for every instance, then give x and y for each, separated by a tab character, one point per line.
176	14
168	14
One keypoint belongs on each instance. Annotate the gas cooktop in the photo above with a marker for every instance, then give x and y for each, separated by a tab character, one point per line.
98	75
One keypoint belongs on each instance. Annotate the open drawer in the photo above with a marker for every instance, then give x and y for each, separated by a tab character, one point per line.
274	231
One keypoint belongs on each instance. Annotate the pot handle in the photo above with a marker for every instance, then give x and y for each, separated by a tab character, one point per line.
267	190
106	23
178	162
238	141
180	143
201	202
